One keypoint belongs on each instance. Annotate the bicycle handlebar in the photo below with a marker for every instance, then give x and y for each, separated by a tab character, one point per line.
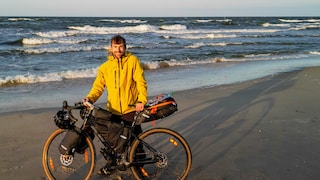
69	108
90	106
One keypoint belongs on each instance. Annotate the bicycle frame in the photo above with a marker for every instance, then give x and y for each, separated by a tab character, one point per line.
87	122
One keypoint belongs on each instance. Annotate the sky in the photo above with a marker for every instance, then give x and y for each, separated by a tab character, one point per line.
159	8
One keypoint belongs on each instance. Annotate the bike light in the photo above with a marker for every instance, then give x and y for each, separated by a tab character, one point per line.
86	156
174	142
144	172
51	164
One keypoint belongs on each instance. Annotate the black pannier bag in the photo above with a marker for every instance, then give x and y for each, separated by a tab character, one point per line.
73	140
117	135
82	144
69	142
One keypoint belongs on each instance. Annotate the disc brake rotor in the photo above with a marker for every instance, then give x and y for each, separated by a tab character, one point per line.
66	160
163	160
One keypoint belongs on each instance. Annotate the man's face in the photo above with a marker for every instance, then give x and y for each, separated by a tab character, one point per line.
118	49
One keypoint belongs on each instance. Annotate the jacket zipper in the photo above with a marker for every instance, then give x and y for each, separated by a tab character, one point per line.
119	64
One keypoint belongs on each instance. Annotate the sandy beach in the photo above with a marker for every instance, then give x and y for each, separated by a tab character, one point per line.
261	129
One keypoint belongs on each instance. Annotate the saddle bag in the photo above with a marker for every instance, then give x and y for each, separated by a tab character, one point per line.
160	107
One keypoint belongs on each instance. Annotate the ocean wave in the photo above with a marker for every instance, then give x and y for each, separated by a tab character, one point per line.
20	19
315	52
243	58
56	34
90	73
226	31
35	41
299	20
147	65
111	30
133	21
305	26
206	36
143	28
212	20
198	45
275	25
224	20
39	41
269	56
65	49
15	42
165	31
171	63
48	77
176	27
204	20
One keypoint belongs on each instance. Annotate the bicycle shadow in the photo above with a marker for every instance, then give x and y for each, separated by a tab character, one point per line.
217	126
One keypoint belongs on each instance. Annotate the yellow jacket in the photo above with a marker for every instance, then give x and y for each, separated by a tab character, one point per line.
124	81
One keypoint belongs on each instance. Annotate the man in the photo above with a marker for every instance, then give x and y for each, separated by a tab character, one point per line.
123	77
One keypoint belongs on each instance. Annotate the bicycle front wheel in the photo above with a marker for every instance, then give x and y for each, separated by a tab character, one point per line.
58	166
160	153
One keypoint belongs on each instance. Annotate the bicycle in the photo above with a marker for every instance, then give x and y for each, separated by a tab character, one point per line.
166	154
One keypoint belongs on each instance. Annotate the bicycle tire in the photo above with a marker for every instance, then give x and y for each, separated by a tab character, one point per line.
81	166
173	148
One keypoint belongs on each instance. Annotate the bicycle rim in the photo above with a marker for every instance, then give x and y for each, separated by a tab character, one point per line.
173	155
57	166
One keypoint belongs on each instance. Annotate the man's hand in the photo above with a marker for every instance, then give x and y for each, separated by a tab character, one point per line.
86	102
139	107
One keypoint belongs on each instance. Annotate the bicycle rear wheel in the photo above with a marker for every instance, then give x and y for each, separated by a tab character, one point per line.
58	166
160	153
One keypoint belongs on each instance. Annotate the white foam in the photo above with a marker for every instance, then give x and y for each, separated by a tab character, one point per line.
134	21
204	20
56	34
39	41
224	20
175	27
299	20
197	45
36	41
305	26
174	62
61	49
48	77
206	36
20	19
111	30
275	25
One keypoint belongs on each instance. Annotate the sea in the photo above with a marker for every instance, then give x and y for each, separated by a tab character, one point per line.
45	60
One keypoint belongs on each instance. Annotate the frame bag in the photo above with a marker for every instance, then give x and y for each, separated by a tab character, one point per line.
115	133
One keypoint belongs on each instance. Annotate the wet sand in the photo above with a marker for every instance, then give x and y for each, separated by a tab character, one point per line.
260	129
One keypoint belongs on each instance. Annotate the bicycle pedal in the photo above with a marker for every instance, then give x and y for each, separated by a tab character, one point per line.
104	171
